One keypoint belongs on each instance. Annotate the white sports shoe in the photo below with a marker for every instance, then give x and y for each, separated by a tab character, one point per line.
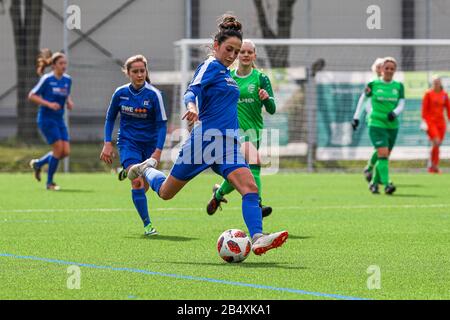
137	170
269	241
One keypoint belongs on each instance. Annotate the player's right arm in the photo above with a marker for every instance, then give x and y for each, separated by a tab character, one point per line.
425	111
36	93
364	100
107	153
203	76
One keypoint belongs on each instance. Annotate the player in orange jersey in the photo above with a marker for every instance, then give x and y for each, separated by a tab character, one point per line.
433	104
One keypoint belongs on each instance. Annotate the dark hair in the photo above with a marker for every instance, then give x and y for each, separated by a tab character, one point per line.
47	58
228	27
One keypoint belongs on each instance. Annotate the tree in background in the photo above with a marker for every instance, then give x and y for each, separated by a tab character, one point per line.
278	55
26	19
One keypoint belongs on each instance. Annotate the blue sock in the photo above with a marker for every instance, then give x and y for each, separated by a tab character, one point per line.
140	202
44	160
155	179
52	167
252	213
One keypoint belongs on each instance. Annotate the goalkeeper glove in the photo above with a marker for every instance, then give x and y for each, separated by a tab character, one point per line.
355	124
392	116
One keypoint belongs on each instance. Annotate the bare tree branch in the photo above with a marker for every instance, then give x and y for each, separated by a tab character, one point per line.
262	19
278	55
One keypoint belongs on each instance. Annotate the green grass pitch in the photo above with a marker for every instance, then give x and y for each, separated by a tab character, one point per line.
337	231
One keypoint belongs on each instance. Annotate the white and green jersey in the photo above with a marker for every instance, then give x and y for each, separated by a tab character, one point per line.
249	104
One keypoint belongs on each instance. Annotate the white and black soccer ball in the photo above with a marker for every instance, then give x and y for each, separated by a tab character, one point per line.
234	245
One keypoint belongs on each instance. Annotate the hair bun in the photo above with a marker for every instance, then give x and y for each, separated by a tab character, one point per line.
230	23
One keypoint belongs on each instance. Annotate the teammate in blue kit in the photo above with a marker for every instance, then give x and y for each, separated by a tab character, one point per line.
51	93
214	143
142	132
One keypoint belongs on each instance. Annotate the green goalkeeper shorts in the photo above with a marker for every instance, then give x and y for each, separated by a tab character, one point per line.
382	137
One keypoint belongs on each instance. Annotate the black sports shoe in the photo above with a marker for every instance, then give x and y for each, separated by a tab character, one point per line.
390	189
368	175
213	204
266	211
373	187
36	169
122	174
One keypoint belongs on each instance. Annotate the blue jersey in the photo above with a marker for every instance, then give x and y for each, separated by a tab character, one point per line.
52	89
217	94
142	115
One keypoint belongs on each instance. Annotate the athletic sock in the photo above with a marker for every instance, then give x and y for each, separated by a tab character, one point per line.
383	168
256	172
44	160
372	161
225	188
140	202
435	156
154	178
376	175
52	167
252	213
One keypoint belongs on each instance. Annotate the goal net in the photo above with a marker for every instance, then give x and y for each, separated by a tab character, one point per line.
317	85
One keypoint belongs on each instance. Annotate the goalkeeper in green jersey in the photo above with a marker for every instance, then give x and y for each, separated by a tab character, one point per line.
387	99
255	92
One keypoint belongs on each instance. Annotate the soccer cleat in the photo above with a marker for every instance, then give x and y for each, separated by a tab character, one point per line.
37	171
368	174
213	204
53	186
266	211
373	187
137	170
150	231
434	170
122	174
266	242
390	189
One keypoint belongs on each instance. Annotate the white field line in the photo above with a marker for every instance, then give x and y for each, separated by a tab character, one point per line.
346	207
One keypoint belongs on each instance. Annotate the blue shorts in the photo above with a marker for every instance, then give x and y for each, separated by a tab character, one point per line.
133	152
221	154
54	130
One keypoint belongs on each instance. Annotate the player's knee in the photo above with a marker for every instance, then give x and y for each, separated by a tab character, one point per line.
137	183
249	187
58	154
165	195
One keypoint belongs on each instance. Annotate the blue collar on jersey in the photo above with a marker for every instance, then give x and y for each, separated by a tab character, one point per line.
138	91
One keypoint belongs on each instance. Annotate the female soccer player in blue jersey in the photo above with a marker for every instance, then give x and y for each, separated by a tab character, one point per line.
214	143
51	93
143	126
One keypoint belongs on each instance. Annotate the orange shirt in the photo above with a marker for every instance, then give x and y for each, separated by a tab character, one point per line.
433	105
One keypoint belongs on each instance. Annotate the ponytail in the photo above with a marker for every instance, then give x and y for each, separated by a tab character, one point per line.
44	59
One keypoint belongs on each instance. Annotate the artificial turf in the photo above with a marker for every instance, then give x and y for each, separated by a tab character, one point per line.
338	230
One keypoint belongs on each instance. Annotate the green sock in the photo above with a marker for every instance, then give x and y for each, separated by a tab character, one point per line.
372	161
376	175
383	168
225	188
256	171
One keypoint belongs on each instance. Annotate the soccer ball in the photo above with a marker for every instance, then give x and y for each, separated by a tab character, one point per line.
233	245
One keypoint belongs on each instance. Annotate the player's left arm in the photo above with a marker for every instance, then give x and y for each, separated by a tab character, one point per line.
266	94
69	102
400	105
447	104
161	126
